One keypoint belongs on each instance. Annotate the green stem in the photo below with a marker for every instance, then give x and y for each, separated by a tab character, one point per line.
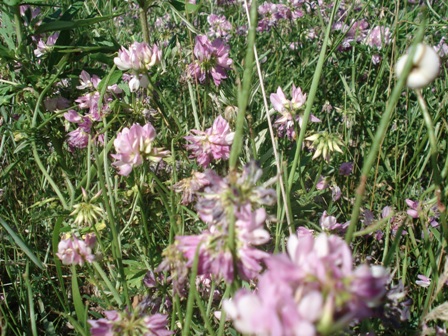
47	176
287	208
379	135
26	277
116	250
18	24
434	151
144	23
191	293
309	103
243	95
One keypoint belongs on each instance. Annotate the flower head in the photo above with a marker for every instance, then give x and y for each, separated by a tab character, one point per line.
128	323
220	198
212	60
289	110
214	143
312	289
46	47
73	251
135	144
138	59
219	26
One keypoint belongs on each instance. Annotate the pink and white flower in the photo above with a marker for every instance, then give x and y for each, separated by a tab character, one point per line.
73	251
135	144
214	143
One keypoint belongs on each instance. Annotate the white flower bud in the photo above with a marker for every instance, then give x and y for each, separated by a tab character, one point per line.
425	67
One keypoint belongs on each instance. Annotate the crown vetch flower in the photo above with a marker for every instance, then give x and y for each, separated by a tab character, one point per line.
43	48
214	143
314	289
129	323
219	199
73	251
190	186
138	59
378	37
220	27
135	144
289	110
212	60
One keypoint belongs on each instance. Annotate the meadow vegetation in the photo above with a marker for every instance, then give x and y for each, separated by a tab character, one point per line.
223	167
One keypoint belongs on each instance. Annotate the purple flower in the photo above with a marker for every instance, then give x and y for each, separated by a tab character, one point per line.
329	223
322	183
219	26
133	145
88	82
378	37
289	110
190	186
376	59
219	199
423	281
120	323
346	169
73	251
442	48
214	143
43	48
335	193
212	60
312	287
414	208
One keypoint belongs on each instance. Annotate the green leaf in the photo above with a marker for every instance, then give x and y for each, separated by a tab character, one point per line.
67	25
5	53
22	244
12	2
77	300
111	80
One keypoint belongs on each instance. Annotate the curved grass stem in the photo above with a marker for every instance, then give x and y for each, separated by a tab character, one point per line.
379	136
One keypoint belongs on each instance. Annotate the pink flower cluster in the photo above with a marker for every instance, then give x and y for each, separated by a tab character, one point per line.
426	210
73	251
212	60
378	37
190	186
135	144
271	14
79	138
138	59
289	110
216	204
220	27
312	290
214	143
127	323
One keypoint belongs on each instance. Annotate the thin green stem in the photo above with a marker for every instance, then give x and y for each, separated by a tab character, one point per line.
191	293
116	246
243	95
434	152
379	136
18	24
309	104
274	143
144	22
